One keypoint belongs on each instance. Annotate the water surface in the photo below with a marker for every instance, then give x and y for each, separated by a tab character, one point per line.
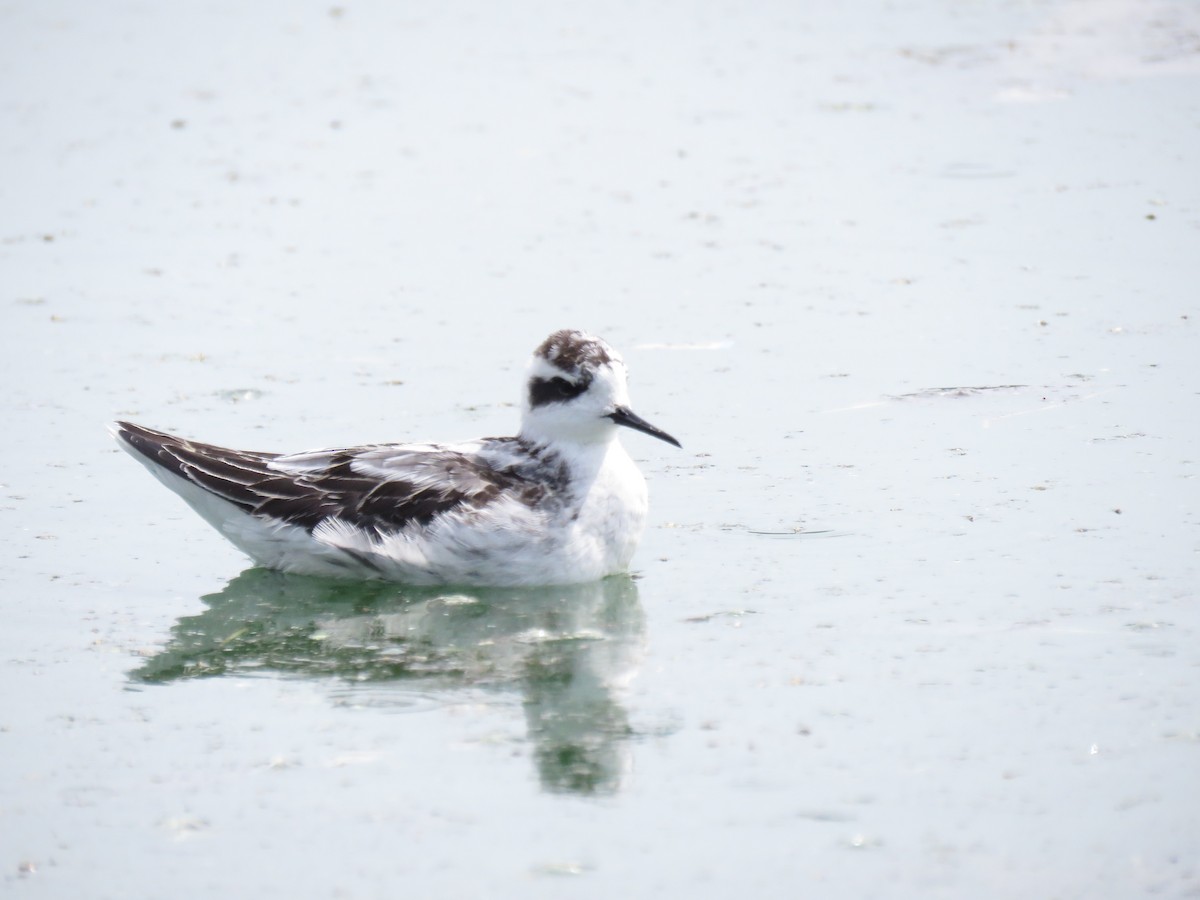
914	284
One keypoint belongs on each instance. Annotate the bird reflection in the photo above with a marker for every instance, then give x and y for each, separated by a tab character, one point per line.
568	650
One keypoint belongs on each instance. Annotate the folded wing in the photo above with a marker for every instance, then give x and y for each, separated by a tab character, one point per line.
381	487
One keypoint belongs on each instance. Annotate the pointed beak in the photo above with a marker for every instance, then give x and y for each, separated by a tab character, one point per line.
623	415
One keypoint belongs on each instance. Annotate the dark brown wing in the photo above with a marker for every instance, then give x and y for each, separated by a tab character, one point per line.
349	485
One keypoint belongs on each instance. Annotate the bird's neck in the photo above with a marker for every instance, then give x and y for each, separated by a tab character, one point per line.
582	457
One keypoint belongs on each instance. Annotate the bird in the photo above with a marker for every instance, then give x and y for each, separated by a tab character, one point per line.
562	502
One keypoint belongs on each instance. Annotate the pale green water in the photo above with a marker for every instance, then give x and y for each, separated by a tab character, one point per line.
920	278
564	653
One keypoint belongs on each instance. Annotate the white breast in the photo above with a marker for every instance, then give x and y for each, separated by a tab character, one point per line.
612	513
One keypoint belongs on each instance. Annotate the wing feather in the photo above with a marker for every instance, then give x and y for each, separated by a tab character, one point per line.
379	487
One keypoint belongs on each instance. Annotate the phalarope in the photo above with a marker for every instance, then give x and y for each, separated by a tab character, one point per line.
560	503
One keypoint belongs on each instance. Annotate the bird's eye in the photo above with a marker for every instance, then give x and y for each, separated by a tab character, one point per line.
562	387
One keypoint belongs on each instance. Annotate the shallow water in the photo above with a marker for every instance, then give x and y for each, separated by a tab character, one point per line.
915	284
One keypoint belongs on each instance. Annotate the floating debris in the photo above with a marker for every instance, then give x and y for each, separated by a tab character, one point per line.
562	869
696	345
239	395
708	617
183	827
791	532
863	842
965	391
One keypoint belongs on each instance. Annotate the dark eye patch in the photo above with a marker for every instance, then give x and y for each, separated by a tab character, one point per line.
553	390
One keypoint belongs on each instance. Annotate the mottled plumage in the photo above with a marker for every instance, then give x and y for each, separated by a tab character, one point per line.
562	502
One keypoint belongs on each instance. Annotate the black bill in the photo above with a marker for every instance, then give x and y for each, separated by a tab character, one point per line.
623	415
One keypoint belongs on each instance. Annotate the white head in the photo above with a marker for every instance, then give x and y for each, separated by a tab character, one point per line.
577	391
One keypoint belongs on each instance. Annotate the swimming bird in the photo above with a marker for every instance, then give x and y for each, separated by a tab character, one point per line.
560	503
